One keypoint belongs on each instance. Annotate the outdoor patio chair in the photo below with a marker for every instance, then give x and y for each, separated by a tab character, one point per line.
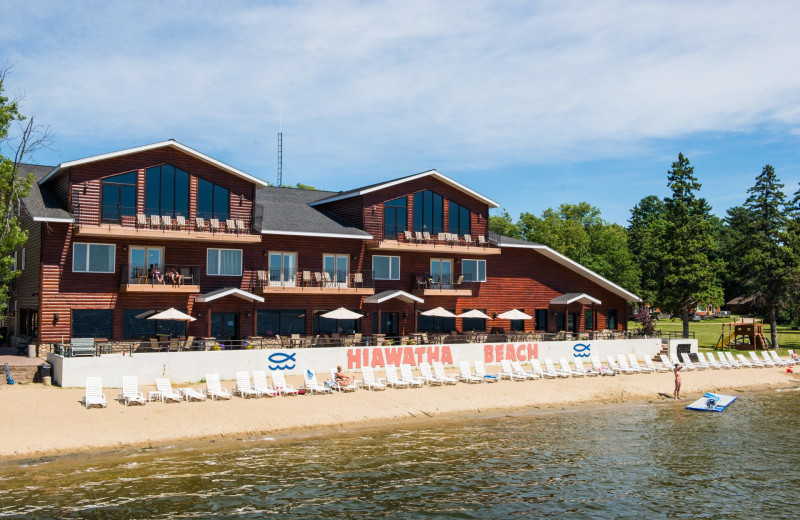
164	391
667	362
186	275
701	361
243	388
94	395
755	361
338	385
779	360
306	279
746	362
408	236
155	221
767	360
537	369
468	240
438	371
634	363
310	383
516	366
568	369
482	241
279	384
326	279
407	376
214	389
426	236
733	362
358	279
261	278
687	362
507	371
166	222
230	225
180	222
548	363
368	375
580	367
200	223
422	281
660	367
624	366
466	375
240	227
392	379
141	220
130	391
213	223
418	236
192	394
260	383
427	376
480	371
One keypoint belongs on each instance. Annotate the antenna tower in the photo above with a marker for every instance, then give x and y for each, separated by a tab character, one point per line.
280	159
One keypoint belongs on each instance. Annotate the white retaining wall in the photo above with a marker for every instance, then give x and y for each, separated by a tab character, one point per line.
192	366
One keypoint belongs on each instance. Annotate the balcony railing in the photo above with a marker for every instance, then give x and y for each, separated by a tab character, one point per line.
442	282
310	278
170	275
110	215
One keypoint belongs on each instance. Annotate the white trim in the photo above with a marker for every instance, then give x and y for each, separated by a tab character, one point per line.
221	293
390	266
218	249
578	268
49	219
433	173
312	234
577	297
390	294
477	271
162	144
88	257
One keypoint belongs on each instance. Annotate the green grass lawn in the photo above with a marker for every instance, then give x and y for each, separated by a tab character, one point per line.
707	332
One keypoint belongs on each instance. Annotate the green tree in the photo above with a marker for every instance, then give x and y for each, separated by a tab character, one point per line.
766	255
690	276
645	231
503	225
14	186
731	235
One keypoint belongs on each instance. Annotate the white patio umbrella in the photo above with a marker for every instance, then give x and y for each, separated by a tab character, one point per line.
514	314
172	314
474	313
342	314
439	312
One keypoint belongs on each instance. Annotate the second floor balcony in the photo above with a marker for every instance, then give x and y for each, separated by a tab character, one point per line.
436	284
291	280
172	278
95	220
433	241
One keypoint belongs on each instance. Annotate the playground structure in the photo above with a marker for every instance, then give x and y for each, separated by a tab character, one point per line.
744	334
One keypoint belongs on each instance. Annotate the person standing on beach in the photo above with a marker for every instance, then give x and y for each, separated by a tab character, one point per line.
677	371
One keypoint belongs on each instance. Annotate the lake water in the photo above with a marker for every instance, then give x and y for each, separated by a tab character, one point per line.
652	460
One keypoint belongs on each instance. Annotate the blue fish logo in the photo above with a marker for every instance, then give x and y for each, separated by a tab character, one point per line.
582	347
281	357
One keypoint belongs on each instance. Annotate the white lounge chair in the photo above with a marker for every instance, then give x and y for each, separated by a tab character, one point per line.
733	361
279	384
214	389
537	369
688	364
648	362
392	379
465	373
243	388
667	362
408	377
438	371
310	383
370	381
548	363
191	394
756	361
568	369
708	363
723	361
581	368
612	364
634	363
427	376
164	391
779	360
338	385
130	392
624	366
517	368
597	365
94	395
480	371
745	362
260	383
507	371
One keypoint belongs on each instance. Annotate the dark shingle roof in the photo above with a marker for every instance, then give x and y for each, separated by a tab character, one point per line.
287	210
42	203
344	194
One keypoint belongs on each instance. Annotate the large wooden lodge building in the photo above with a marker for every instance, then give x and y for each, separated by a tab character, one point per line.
258	260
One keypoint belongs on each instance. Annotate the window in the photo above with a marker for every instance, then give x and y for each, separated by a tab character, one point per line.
22	263
386	267
560	321
282	269
395	217
517	325
91	323
459	219
428	212
473	270
15	262
328	326
588	321
441	275
611	319
133	327
271	322
166	191
212	200
335	269
93	258
435	324
119	196
143	259
224	262
541	319
474	324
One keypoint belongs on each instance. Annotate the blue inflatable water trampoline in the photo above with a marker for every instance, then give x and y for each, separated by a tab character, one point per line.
712	402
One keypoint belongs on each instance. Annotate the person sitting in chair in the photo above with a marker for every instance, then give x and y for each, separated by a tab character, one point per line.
342	378
174	276
158	276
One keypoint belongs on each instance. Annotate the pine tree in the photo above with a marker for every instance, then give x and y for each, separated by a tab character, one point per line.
690	276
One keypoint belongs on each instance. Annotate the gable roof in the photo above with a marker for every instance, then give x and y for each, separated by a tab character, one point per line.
287	211
572	265
41	203
163	144
381	185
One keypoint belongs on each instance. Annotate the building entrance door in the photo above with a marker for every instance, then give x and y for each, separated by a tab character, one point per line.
225	325
389	323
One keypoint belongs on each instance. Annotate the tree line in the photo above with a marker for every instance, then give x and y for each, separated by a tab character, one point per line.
675	254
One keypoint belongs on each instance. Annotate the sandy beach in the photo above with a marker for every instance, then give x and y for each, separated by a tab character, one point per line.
44	420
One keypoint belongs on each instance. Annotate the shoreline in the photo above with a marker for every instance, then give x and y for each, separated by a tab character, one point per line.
50	423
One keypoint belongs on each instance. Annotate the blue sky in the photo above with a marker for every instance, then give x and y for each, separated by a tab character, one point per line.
533	104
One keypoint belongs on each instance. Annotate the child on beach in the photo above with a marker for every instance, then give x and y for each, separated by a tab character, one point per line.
677	370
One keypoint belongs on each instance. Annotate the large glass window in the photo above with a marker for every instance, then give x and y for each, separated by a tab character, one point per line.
386	267
611	319
281	321
93	258
395	217
91	323
474	324
541	319
282	269
134	327
212	200
119	196
335	270
166	191
588	319
428	212
441	275
459	219
473	270
328	326
435	324
224	262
